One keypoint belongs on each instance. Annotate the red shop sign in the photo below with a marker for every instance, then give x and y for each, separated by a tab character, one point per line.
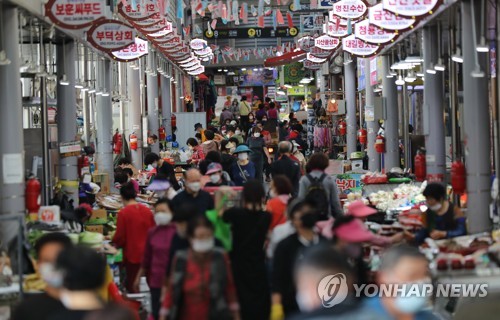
388	20
311	65
111	35
349	9
138	13
149	22
74	14
411	8
326	42
358	47
132	52
336	30
368	32
159	26
306	43
320	53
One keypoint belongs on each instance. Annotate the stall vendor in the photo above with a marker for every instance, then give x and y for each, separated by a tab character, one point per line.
442	219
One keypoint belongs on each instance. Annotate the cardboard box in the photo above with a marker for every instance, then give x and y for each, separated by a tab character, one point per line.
102	179
99	214
98	229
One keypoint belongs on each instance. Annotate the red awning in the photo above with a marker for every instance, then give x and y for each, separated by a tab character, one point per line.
286	58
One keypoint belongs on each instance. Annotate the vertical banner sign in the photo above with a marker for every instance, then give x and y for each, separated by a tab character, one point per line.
74	14
373	71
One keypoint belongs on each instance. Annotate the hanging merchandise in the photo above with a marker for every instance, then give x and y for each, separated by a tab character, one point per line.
380	144
32	194
173	120
332	106
133	141
323	137
342	127
161	133
420	165
362	136
117	143
458	177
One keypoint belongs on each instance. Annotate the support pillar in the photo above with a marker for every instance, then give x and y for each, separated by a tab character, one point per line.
166	104
371	126
104	121
476	113
433	109
66	113
350	97
11	128
152	92
390	98
134	115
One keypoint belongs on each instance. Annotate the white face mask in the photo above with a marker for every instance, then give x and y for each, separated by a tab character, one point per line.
304	302
163	218
194	186
215	178
436	207
237	132
243	156
155	165
50	275
256	134
273	193
203	246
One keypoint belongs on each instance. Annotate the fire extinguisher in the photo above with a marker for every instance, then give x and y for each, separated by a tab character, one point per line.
32	194
117	143
173	121
133	141
342	127
458	174
380	144
162	134
83	162
362	136
420	165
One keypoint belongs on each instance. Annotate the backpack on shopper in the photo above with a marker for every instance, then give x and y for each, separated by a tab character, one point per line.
318	195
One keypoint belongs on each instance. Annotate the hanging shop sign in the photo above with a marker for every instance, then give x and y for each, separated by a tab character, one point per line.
111	35
311	65
293	72
312	22
251	33
412	9
175	49
388	20
314	59
338	20
149	22
207	58
358	47
326	42
160	25
320	53
306	43
173	42
303	7
139	12
204	51
193	68
299	91
368	32
132	52
373	71
349	9
197	71
69	149
325	4
74	14
162	32
335	30
189	63
198	44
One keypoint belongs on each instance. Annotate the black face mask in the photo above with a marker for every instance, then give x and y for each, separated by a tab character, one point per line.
308	220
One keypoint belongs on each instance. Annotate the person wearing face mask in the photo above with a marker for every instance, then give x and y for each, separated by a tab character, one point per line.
201	283
443	219
280	191
82	271
226	116
317	263
286	166
261	113
132	226
151	161
287	252
402	265
244	169
155	261
193	193
227	159
42	305
196	150
260	153
217	176
245	110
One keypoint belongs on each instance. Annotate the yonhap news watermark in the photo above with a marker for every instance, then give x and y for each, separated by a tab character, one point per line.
333	289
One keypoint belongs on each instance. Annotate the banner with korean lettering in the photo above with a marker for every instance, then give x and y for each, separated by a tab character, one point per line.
373	71
336	30
133	11
358	47
368	32
326	42
111	35
132	52
388	20
349	182
349	9
413	8
74	14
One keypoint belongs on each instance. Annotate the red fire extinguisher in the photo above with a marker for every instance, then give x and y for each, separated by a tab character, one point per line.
362	136
342	127
173	121
32	194
162	134
458	174
117	143
420	166
380	144
83	162
133	141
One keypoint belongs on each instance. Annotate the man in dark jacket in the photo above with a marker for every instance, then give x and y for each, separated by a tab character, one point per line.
286	166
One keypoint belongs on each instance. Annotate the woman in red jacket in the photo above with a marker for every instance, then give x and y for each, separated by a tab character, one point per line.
132	226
